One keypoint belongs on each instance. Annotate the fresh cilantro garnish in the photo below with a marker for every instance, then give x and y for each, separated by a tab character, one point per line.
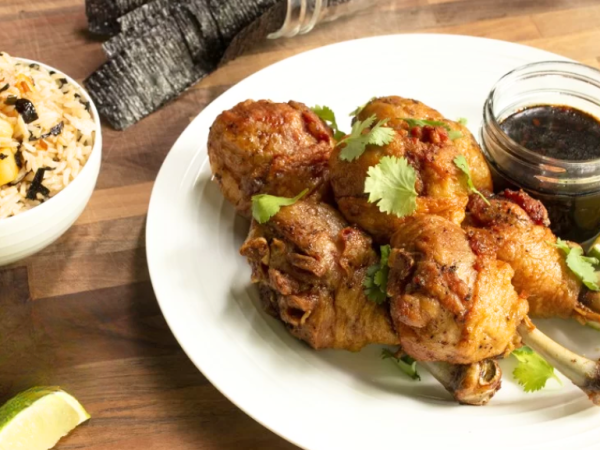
375	283
391	184
265	206
581	266
357	142
405	363
359	109
462	121
452	134
463	165
327	115
533	371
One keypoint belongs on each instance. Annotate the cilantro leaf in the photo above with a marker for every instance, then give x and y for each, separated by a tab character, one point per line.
375	283
462	121
581	266
405	363
265	206
533	371
357	141
461	162
391	184
359	109
327	115
452	134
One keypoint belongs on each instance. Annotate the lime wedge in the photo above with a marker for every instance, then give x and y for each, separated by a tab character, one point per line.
37	418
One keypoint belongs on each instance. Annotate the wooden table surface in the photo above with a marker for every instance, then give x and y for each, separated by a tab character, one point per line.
82	314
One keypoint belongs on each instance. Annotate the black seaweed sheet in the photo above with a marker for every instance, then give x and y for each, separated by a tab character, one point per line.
233	16
153	70
137	23
196	24
103	14
168	45
147	15
200	30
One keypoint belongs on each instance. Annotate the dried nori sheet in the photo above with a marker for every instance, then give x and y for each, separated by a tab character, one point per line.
147	15
103	14
136	23
233	16
200	30
196	24
167	45
153	70
270	22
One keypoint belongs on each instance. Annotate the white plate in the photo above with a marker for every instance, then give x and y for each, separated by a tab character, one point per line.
337	400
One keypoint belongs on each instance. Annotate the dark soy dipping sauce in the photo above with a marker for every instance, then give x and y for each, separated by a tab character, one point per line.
555	131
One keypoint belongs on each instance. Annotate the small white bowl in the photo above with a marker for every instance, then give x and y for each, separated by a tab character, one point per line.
32	230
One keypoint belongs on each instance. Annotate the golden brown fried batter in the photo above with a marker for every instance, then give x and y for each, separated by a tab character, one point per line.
448	303
262	147
395	107
440	184
310	266
517	232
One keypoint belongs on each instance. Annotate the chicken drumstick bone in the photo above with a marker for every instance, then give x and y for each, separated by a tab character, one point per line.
310	266
451	301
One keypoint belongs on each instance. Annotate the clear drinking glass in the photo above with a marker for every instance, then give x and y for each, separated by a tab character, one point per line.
303	15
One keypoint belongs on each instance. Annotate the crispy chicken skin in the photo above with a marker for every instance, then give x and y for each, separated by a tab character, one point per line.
310	266
515	228
395	107
262	147
440	184
449	303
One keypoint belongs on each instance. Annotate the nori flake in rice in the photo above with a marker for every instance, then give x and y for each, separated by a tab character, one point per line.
62	82
19	158
3	156
36	186
26	109
54	131
154	69
11	100
5	87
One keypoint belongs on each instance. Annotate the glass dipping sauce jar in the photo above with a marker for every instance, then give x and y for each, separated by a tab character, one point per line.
569	189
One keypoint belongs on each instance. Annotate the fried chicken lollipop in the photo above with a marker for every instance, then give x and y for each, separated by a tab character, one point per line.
441	186
447	302
310	266
514	227
262	147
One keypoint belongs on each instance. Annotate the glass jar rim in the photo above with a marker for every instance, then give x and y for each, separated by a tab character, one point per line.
569	69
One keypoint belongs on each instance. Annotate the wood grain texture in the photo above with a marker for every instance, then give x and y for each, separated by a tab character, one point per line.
82	313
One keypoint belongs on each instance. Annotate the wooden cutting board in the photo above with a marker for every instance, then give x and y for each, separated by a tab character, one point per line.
82	314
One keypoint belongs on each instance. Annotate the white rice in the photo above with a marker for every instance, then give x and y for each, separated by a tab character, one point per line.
64	155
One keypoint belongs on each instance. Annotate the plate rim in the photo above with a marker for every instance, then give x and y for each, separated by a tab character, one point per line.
168	314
